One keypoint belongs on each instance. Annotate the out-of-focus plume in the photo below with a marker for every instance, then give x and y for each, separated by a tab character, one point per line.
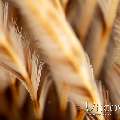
100	31
80	14
112	63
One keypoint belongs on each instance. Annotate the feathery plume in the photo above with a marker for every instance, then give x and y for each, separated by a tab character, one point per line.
18	60
68	64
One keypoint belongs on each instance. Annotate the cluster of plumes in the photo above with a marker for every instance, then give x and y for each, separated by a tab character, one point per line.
45	71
